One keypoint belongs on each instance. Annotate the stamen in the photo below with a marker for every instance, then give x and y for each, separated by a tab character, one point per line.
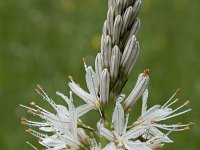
126	124
176	100
32	103
68	146
31	146
183	112
84	62
146	72
177	91
36	134
129	110
70	78
185	104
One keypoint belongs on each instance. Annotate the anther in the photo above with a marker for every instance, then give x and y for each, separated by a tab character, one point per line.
68	146
30	111
191	123
153	121
27	130
84	60
37	90
146	72
32	103
187	128
39	111
151	142
70	78
23	122
39	86
187	102
23	119
178	90
129	110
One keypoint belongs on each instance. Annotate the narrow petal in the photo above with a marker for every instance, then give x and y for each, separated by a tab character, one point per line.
118	118
144	101
91	80
117	30
107	134
81	93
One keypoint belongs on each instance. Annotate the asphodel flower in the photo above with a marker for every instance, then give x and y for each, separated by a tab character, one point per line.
64	127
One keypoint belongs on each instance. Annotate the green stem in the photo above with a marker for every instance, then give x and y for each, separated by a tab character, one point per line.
108	111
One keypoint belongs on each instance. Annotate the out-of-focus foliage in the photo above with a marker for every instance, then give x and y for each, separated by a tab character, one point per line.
43	41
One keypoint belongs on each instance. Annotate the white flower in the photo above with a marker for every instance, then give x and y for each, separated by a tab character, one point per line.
152	117
122	138
63	124
91	98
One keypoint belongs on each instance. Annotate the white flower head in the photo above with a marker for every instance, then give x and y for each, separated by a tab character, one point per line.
120	136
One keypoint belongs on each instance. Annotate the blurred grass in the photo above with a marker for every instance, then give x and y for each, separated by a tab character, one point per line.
43	42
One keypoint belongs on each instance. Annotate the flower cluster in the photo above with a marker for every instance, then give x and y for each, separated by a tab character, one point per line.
119	52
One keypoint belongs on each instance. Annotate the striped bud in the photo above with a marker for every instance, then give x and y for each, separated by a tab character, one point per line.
141	85
127	18
105	30
110	21
136	8
117	29
132	61
115	63
135	28
111	3
129	55
98	67
119	7
106	52
104	87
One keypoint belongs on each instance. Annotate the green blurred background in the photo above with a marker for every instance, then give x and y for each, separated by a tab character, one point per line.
43	41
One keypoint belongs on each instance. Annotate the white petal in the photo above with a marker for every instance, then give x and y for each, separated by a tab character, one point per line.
135	132
81	93
144	101
118	118
110	146
91	80
83	109
107	134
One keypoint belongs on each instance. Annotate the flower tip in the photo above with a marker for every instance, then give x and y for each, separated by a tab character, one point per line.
129	110
68	146
84	60
187	102
176	100
23	122
23	119
178	90
70	78
191	123
32	103
187	128
146	72
39	111
39	86
27	130
30	111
